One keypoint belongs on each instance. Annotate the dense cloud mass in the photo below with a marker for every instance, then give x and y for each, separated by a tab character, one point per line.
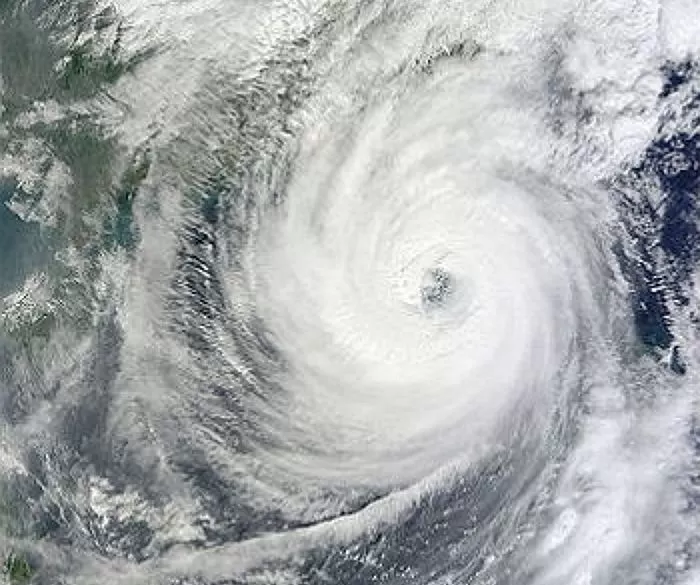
350	292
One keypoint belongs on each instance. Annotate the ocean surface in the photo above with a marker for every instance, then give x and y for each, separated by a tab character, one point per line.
343	293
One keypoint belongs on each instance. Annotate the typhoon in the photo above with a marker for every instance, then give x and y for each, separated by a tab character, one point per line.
350	292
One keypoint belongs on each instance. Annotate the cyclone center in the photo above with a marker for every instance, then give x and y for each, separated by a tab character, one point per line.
437	288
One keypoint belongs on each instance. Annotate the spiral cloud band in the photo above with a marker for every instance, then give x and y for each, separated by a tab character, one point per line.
412	282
